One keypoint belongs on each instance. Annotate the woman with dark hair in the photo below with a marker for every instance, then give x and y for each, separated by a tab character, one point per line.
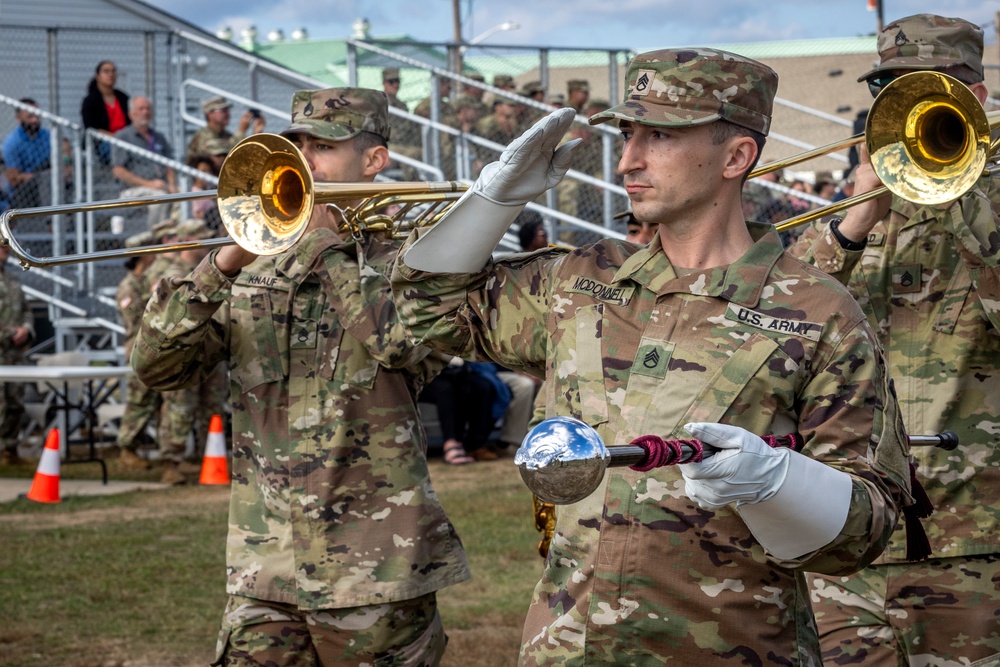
105	108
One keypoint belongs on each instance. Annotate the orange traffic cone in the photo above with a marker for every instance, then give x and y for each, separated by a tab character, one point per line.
214	467
45	487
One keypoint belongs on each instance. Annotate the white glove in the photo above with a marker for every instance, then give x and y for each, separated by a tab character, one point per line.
746	470
463	240
791	503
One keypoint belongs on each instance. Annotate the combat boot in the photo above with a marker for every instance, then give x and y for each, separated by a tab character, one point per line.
188	468
131	461
171	475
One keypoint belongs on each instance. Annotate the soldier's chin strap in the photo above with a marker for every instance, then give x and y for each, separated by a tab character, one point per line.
463	240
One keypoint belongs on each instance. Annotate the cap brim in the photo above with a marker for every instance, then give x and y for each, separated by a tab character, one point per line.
658	115
903	63
321	130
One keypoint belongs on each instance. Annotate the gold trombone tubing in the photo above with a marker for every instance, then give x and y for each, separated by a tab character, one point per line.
266	196
928	138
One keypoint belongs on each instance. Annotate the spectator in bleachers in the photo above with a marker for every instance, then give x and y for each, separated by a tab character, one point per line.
578	91
523	389
557	100
503	82
635	231
501	127
476	93
532	90
217	110
16	333
458	402
142	176
104	108
26	153
390	86
496	395
206	164
405	133
531	232
445	110
467	114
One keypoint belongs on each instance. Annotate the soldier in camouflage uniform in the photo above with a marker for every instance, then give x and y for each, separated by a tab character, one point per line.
141	402
337	541
16	334
501	127
216	110
928	278
700	564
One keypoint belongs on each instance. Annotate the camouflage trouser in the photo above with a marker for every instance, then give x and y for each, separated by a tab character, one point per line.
11	411
942	613
398	634
141	404
177	417
213	394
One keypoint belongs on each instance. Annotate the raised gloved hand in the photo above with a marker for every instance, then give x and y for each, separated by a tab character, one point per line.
463	240
745	470
791	503
531	164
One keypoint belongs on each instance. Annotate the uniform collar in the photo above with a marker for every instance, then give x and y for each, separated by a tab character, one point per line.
741	282
301	260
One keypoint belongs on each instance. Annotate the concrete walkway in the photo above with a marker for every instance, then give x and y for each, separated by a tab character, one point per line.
12	489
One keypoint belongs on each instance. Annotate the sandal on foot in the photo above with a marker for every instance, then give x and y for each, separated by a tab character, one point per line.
454	454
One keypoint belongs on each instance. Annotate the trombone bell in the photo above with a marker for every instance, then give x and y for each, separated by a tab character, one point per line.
928	137
265	194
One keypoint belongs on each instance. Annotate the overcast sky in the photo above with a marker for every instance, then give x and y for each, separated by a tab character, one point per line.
629	24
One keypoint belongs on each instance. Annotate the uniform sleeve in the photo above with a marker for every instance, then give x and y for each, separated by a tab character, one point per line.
850	421
818	246
356	281
975	227
183	336
498	314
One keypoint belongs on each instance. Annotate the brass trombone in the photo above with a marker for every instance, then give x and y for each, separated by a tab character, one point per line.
266	195
928	138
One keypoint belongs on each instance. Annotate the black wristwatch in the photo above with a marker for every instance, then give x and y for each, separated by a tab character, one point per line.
845	243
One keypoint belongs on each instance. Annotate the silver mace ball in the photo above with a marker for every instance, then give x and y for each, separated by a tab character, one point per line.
563	460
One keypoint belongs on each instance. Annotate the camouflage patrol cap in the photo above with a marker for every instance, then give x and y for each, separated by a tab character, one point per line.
682	87
577	84
164	229
627	216
532	88
214	104
929	42
390	73
192	229
503	81
467	101
475	76
338	114
140	239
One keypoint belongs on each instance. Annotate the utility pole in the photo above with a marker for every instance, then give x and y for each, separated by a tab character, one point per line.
456	51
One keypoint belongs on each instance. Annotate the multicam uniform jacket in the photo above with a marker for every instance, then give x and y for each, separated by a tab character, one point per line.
131	297
637	573
14	312
929	281
331	504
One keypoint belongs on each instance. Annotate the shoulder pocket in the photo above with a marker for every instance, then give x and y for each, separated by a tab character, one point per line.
259	341
351	363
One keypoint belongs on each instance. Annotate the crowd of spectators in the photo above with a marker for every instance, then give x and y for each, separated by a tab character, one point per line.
482	410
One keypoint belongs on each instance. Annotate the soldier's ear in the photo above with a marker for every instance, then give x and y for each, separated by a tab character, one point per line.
375	160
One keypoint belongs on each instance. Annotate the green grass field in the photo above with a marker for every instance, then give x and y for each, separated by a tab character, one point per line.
137	580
